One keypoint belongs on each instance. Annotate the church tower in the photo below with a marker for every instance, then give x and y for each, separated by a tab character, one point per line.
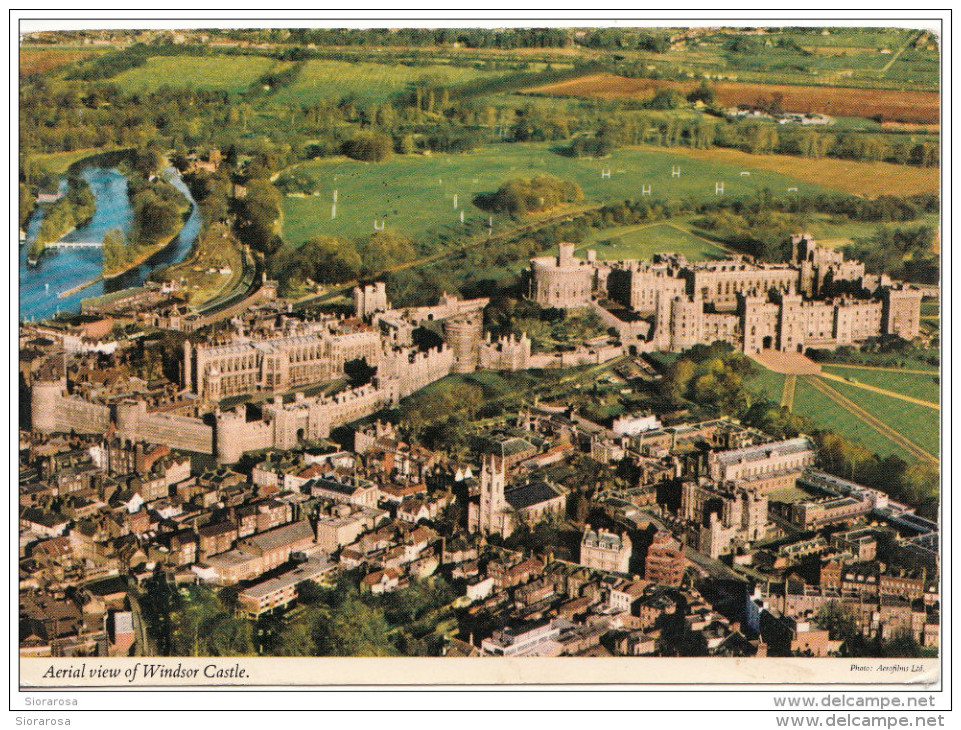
491	515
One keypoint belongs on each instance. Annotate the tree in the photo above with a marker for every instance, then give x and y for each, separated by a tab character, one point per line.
520	196
703	93
837	620
407	146
25	205
258	215
353	628
115	252
153	216
384	249
330	260
369	146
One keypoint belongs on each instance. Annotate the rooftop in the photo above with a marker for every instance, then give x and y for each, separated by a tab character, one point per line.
527	495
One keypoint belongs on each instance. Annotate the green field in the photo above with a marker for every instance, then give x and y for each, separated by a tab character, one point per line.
930	309
767	384
415	193
827	414
58	162
227	73
642	242
918	423
924	387
368	82
834	231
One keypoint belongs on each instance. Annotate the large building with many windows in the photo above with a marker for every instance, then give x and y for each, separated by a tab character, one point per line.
816	300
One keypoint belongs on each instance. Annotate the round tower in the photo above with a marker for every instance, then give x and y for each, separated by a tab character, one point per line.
44	404
464	334
129	416
228	436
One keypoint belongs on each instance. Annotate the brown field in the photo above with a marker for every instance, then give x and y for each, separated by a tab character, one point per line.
867	179
904	106
36	60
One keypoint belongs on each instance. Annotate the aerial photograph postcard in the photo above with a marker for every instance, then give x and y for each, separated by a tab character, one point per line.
579	350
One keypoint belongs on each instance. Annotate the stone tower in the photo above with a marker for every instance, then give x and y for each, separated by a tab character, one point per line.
44	398
464	334
370	299
901	312
491	515
229	436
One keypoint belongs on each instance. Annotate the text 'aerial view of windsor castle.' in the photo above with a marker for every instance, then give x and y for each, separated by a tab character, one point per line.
470	342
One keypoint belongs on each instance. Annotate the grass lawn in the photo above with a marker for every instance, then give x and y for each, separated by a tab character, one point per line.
368	82
768	384
914	385
835	231
889	360
642	242
415	193
918	423
827	414
58	162
229	73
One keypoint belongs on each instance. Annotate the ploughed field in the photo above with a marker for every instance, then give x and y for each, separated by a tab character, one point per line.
42	60
904	106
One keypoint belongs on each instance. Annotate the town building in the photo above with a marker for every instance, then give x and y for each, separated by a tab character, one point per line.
603	550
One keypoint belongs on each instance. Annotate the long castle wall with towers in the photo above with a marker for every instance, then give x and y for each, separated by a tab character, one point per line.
53	410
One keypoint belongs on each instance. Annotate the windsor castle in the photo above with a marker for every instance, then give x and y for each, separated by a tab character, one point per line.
817	300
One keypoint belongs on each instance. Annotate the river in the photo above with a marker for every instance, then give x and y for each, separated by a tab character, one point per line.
62	269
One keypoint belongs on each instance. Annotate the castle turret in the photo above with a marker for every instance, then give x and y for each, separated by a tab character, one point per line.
229	436
464	334
44	398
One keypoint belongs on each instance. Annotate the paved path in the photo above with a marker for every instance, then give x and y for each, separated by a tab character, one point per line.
787	395
878	367
882	391
787	363
875	423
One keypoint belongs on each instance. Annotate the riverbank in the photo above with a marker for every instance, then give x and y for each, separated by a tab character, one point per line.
77	273
155	248
141	259
79	288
